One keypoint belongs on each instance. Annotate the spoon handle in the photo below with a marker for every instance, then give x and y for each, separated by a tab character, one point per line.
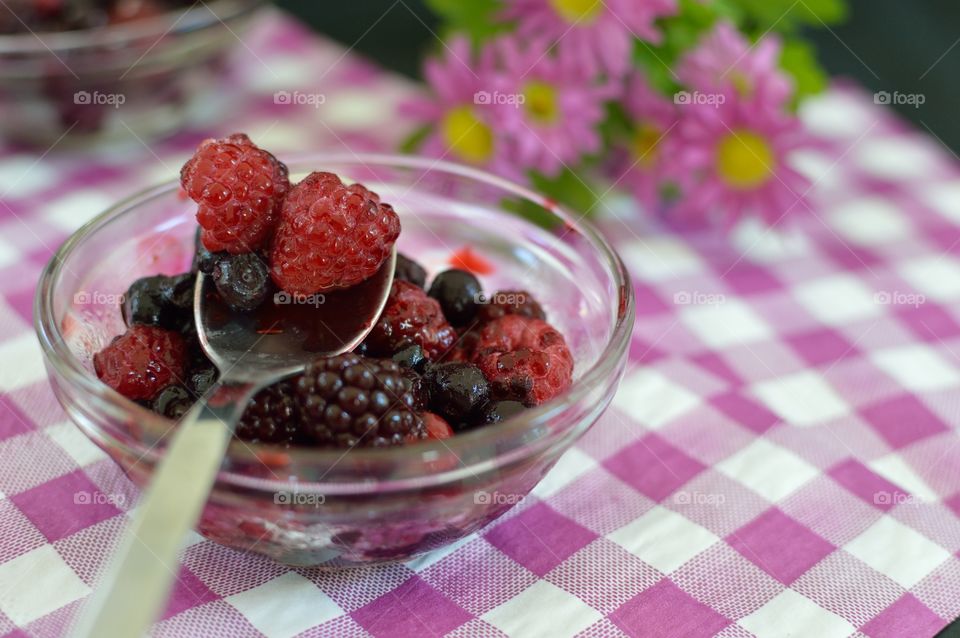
133	591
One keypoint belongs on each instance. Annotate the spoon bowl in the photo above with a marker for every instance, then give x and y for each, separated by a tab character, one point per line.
287	331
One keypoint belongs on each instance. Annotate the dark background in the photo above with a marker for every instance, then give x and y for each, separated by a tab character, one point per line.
886	45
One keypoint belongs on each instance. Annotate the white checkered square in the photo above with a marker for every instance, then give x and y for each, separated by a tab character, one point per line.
898	551
870	221
936	276
768	469
838	299
943	198
917	367
652	399
542	609
724	324
663	539
801	399
36	583
268	606
791	613
661	258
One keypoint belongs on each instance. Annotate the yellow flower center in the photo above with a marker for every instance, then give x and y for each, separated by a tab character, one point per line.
577	11
467	136
742	83
646	139
744	160
540	100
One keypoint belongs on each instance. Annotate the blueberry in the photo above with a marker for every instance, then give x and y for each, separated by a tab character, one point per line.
243	281
411	357
202	377
457	392
497	411
166	302
458	293
409	270
172	402
204	260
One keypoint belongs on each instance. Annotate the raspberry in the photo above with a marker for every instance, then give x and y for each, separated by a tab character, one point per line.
349	400
510	302
524	359
272	416
331	235
142	361
239	188
410	318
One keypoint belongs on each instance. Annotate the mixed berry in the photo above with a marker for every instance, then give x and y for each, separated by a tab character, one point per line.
438	360
25	16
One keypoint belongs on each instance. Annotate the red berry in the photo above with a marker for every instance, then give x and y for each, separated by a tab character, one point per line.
142	361
331	235
239	188
524	358
510	302
437	428
410	318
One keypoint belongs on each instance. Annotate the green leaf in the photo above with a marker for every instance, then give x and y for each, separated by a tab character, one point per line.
787	15
569	188
415	139
476	18
799	60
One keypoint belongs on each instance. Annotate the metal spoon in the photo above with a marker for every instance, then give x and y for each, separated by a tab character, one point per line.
251	352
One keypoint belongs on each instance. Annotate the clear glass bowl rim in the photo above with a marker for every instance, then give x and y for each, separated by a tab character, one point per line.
69	366
170	23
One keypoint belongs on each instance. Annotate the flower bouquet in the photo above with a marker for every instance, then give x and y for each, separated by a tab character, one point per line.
688	105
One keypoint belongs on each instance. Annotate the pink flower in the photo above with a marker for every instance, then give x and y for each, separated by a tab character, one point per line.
462	127
550	109
654	119
737	156
725	62
596	34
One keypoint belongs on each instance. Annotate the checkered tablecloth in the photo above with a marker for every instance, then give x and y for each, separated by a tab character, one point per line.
781	459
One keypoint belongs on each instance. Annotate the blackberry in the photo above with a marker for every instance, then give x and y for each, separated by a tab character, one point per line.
172	402
159	300
349	400
510	302
497	411
272	416
409	270
243	281
457	392
204	259
458	292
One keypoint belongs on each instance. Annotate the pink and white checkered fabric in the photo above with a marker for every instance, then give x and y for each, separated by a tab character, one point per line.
781	459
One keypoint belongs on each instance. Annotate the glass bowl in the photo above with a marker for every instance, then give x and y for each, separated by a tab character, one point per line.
143	77
330	507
